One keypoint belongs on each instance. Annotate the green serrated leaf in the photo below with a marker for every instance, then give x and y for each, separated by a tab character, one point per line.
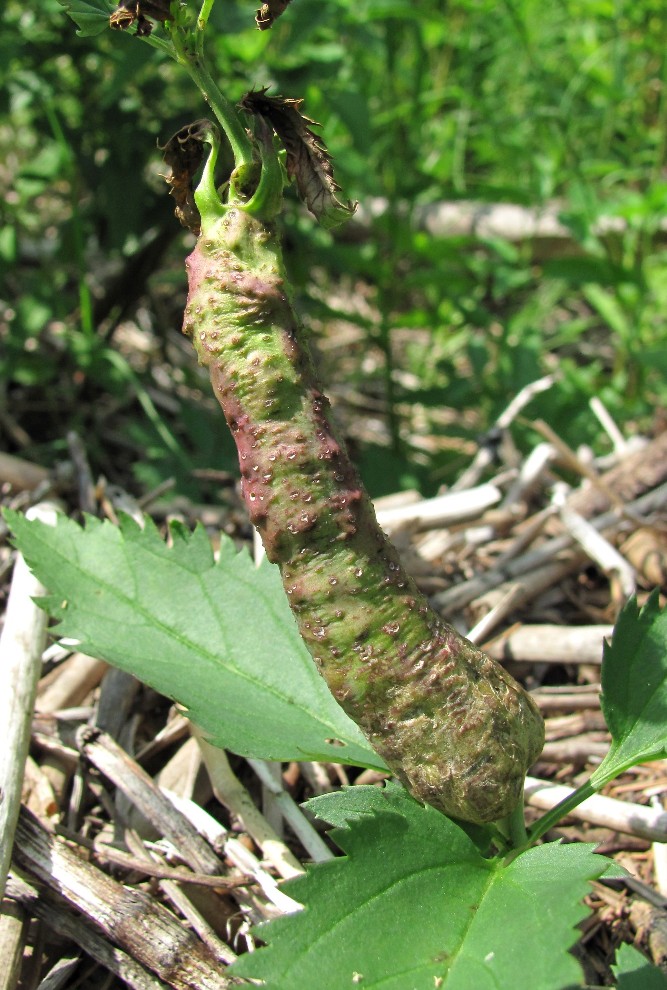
413	906
218	638
339	808
90	16
634	972
634	690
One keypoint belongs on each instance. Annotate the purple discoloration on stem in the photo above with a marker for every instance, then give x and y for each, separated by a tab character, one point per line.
452	725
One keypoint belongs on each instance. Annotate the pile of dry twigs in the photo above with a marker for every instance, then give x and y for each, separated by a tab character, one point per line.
140	861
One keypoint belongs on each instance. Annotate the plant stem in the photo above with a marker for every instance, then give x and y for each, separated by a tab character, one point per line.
206	197
563	808
517	826
511	835
187	48
451	724
204	13
226	113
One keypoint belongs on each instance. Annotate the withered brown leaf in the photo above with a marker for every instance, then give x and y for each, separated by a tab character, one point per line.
269	12
140	11
183	153
308	160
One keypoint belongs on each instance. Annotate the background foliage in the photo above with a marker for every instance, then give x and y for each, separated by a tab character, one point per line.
520	101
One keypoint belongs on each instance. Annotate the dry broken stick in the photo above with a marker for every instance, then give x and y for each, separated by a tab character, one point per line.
110	759
544	643
38	902
548	558
130	919
21	645
451	724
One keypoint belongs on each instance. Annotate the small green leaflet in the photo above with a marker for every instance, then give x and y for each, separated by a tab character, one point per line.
219	638
634	690
413	906
634	972
90	16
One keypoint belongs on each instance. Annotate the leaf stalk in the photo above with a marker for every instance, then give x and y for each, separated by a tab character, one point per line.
206	195
187	49
517	826
563	808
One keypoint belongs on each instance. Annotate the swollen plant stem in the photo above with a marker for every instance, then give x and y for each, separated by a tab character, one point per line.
451	724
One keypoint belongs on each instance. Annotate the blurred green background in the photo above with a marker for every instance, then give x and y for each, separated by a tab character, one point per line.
424	337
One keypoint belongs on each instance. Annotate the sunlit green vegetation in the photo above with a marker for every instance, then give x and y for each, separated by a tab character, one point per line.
531	102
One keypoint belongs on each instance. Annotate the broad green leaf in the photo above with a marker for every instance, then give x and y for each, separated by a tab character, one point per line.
413	906
219	638
634	972
634	690
90	16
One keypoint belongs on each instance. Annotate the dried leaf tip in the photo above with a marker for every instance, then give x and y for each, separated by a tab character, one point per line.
269	12
308	160
129	12
183	153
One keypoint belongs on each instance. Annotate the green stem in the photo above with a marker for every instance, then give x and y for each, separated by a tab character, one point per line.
169	440
160	44
267	200
226	112
385	344
512	837
200	30
187	48
72	172
517	826
563	808
206	196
